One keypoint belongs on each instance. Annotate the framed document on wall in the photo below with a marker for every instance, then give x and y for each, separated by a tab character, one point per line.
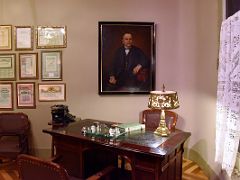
23	37
5	37
51	37
25	95
52	92
6	96
7	67
51	65
28	65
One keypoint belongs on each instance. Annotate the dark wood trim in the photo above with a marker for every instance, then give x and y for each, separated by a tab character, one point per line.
232	6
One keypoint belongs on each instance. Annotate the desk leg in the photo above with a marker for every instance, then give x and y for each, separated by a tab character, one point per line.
52	148
81	162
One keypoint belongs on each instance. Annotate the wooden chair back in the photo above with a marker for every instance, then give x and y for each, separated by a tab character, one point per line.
151	119
14	128
34	168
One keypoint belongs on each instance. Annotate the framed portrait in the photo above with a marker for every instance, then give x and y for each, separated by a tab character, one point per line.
51	37
28	66
7	67
25	95
126	57
23	37
52	92
5	37
6	96
51	65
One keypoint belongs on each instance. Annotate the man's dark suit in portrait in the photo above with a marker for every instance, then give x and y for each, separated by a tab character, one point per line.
129	61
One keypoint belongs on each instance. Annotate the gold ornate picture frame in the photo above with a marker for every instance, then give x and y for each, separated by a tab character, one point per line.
7	67
52	92
49	37
6	96
25	93
23	36
5	37
28	66
51	65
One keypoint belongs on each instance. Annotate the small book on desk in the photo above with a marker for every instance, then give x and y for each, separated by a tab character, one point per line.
133	126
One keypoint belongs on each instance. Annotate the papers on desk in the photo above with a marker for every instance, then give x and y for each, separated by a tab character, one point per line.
128	127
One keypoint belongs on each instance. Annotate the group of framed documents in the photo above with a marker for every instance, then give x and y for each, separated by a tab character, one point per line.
25	94
46	37
51	66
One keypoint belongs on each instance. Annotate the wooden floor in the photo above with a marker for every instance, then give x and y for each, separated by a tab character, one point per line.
8	171
191	171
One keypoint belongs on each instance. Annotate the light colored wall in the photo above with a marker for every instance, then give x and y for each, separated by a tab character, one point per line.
186	61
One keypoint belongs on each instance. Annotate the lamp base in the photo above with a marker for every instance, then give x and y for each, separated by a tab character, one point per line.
162	130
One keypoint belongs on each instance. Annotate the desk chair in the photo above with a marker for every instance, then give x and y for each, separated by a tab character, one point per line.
151	118
14	128
34	168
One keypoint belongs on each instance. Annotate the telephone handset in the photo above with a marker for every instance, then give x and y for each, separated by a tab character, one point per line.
60	114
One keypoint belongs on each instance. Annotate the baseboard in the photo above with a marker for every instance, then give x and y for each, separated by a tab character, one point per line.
42	153
197	158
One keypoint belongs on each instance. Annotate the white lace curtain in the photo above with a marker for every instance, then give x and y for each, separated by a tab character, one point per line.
228	94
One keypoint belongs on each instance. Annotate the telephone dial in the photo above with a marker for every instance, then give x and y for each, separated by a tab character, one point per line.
60	114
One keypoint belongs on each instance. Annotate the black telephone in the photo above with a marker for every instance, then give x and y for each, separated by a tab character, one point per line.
60	114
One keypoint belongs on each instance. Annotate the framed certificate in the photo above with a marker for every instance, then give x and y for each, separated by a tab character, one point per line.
28	65
52	92
51	37
7	67
51	65
23	37
5	37
6	96
25	95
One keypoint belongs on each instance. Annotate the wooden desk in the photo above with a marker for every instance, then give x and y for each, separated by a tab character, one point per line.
152	156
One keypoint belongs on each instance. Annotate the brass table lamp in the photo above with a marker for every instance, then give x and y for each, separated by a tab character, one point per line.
163	100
